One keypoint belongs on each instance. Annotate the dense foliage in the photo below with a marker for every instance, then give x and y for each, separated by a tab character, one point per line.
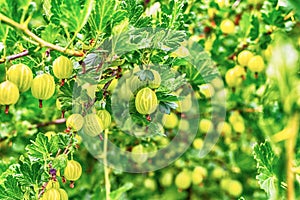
168	99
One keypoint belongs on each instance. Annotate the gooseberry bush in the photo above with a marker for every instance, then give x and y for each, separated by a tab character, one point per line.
167	99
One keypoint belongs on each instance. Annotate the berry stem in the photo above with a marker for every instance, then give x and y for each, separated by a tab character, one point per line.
6	109
62	82
40	103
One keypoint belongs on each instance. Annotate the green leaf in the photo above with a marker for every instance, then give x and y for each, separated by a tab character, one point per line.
50	33
274	18
12	189
116	194
101	15
69	13
60	162
266	164
29	174
245	23
254	32
172	15
41	148
265	40
134	11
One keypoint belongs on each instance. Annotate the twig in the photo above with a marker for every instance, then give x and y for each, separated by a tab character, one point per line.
106	169
15	56
40	41
58	121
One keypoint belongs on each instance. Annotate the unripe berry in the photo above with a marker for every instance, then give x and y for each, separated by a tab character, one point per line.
62	68
52	194
93	125
183	180
43	87
146	101
9	94
21	75
244	57
105	117
75	122
227	26
73	170
170	121
256	64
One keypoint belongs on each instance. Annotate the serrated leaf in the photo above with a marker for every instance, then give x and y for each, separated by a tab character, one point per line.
71	14
274	18
266	162
12	189
254	31
60	162
101	15
29	174
41	148
50	33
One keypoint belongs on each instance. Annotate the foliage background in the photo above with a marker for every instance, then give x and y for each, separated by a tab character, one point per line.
251	157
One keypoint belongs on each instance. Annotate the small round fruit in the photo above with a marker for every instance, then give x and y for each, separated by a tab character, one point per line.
166	179
170	121
235	116
155	83
232	79
218	173
224	128
75	122
52	184
240	72
146	101
93	125
185	104
227	26
134	83
73	170
62	67
235	188
63	194
139	154
244	57
21	75
183	180
224	183
150	184
52	194
105	117
184	125
9	93
256	64
198	143
205	126
207	90
197	178
200	170
43	87
239	126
